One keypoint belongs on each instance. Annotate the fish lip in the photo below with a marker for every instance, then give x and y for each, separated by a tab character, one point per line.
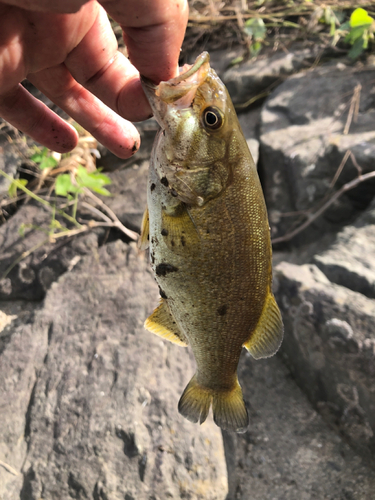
149	84
178	90
200	60
194	68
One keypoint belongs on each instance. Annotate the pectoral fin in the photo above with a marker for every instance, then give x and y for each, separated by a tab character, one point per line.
143	241
179	233
162	323
265	340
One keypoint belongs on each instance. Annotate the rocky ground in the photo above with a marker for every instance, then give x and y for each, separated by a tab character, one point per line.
88	398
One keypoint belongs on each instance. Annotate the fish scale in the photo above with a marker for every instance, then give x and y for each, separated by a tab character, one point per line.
207	228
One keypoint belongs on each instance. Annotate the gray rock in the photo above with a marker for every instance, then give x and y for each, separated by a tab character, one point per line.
129	194
367	217
255	76
11	158
350	260
33	275
303	143
289	452
29	263
329	345
249	121
89	401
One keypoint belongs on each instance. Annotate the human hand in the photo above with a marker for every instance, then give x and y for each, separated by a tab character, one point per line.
67	49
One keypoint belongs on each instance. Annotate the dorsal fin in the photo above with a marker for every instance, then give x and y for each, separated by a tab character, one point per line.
144	239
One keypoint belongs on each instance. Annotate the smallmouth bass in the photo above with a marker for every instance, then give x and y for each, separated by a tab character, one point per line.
207	229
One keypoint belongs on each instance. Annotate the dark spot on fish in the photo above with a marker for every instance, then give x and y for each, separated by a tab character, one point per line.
163	269
164	232
164	181
208	230
174	193
172	243
152	187
183	241
162	293
222	310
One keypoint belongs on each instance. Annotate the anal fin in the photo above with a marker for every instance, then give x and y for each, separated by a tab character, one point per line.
162	323
266	339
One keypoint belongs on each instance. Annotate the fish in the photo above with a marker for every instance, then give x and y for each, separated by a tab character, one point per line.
208	236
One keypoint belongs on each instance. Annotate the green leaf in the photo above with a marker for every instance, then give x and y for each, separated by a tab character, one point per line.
356	33
102	191
255	48
345	26
333	28
21	229
94	181
43	159
357	49
255	27
12	190
55	224
360	17
39	154
47	162
64	185
236	60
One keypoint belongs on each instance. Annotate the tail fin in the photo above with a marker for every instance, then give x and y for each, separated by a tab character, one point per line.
228	406
195	402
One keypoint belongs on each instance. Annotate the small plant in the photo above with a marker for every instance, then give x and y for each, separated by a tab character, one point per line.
75	180
256	30
75	183
44	158
361	32
358	31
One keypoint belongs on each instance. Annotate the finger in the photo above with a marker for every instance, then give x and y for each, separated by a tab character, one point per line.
115	133
107	73
31	116
153	36
60	6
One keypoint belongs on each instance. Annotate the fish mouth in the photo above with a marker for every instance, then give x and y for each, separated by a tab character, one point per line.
179	91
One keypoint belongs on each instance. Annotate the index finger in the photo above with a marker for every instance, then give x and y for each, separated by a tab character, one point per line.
153	34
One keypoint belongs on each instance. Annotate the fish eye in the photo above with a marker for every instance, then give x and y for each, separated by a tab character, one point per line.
212	118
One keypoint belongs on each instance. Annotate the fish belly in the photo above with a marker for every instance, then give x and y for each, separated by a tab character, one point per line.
215	288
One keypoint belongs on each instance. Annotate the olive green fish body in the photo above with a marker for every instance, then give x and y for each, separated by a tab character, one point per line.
210	246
